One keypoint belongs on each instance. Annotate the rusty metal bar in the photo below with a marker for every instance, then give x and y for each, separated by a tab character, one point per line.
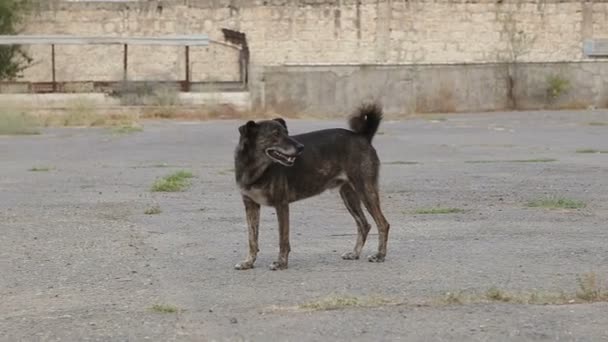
240	39
187	68
53	68
125	60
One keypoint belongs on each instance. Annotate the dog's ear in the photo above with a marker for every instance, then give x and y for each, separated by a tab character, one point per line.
281	121
248	128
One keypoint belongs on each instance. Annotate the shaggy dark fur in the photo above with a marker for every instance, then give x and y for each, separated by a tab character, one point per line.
275	169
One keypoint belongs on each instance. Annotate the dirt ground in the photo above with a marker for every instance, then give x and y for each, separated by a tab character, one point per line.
81	261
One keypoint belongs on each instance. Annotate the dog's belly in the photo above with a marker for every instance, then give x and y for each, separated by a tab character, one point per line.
302	190
257	195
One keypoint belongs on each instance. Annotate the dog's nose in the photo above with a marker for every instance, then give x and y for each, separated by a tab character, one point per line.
299	148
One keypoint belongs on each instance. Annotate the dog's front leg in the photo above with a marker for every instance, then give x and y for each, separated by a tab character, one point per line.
252	210
284	247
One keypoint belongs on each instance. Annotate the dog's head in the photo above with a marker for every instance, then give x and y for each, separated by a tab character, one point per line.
270	138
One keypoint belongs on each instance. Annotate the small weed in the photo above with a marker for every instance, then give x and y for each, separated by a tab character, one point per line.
556	203
438	211
174	182
17	124
590	289
40	169
164	308
342	302
598	123
153	211
590	150
496	294
453	298
127	129
556	86
401	162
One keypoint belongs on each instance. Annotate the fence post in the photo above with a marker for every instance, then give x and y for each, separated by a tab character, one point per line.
125	62
53	68
187	68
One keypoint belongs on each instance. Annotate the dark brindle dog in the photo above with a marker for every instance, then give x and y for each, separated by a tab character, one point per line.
275	169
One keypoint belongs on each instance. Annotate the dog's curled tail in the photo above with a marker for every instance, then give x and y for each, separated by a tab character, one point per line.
366	120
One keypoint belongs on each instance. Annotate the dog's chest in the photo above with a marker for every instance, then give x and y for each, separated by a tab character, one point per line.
257	195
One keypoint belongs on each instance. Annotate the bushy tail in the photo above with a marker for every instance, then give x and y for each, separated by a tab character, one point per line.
366	120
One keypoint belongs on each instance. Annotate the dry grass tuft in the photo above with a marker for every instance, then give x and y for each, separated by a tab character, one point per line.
556	203
342	302
17	123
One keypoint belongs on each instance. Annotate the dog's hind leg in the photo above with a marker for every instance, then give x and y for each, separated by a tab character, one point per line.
252	210
353	204
371	199
284	246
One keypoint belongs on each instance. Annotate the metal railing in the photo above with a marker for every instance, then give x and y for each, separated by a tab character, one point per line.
179	40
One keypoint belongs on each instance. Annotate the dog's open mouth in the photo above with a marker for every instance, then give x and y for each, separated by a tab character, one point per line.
280	157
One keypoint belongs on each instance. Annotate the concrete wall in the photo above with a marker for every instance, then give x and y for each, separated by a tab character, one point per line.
452	39
337	90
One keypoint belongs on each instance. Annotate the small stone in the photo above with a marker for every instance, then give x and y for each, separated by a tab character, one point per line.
233	320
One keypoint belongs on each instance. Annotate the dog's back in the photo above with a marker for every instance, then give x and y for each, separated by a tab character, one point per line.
333	156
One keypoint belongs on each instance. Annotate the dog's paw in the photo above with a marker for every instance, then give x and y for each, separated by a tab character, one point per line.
245	265
376	258
275	266
350	256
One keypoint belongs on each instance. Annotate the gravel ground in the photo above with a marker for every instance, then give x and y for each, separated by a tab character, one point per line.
80	261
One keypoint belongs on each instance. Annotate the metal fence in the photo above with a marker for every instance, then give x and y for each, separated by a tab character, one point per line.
235	40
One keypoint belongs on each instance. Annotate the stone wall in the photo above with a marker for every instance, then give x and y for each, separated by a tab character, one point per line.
338	90
314	32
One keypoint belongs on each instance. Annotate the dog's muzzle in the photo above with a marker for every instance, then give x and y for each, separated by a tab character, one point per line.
285	157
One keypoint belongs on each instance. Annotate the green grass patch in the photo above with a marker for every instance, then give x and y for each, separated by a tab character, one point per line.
598	123
164	308
153	211
438	211
12	123
556	203
536	160
40	169
401	162
177	181
590	150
